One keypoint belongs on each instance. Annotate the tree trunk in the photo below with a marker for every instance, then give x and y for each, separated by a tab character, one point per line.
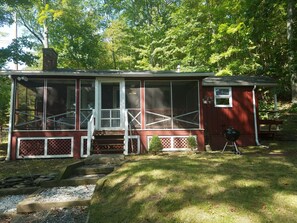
45	30
291	29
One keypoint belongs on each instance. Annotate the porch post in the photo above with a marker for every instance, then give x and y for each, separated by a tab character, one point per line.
122	103
97	104
11	118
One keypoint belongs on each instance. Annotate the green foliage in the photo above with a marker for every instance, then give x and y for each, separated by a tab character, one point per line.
72	27
293	108
155	145
15	52
192	143
76	38
6	10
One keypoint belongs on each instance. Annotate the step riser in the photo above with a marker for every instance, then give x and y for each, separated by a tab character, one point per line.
94	171
108	136
116	159
108	133
108	140
70	182
108	147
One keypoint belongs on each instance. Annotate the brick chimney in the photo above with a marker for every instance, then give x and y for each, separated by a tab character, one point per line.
50	59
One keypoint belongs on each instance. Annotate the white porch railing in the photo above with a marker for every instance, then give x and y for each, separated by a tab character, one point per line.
91	129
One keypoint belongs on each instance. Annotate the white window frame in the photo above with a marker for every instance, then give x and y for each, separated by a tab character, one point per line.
229	96
98	98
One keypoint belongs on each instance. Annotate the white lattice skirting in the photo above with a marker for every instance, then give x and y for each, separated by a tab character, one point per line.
44	147
172	143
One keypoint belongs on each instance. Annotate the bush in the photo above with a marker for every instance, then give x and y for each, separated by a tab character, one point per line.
155	145
192	143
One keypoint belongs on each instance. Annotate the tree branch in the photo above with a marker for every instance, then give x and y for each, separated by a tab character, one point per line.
40	39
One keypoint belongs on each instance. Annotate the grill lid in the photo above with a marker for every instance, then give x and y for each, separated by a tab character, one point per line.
231	134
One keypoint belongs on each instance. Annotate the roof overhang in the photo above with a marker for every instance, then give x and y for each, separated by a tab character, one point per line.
239	81
109	73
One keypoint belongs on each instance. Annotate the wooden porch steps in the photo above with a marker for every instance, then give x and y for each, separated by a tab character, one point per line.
108	142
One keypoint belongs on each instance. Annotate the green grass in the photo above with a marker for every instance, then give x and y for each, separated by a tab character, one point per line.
259	186
30	166
36	166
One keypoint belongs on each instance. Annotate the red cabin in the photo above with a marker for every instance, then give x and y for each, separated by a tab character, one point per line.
62	113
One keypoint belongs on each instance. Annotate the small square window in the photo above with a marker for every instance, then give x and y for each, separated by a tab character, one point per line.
223	96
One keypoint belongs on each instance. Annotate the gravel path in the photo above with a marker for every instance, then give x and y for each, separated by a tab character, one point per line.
8	203
61	215
57	194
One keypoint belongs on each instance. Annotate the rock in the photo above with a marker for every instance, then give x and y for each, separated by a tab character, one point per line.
28	182
14	180
35	176
39	180
20	186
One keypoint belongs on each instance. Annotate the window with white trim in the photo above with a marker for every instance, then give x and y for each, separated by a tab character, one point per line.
223	97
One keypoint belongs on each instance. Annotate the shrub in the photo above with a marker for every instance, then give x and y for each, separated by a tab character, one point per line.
192	143
155	145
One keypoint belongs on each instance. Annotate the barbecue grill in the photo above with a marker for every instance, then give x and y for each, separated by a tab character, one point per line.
231	135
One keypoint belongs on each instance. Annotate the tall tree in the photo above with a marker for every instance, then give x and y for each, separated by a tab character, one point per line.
292	48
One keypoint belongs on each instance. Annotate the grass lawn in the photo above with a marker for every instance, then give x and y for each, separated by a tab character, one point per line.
36	166
258	186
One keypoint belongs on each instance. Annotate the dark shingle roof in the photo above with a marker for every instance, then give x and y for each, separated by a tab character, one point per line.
108	73
239	81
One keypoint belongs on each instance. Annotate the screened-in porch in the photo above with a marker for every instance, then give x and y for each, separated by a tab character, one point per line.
67	104
51	114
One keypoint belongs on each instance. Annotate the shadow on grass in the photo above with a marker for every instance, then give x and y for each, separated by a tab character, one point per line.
199	188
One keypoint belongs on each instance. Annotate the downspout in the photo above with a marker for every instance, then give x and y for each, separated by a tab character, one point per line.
10	120
255	117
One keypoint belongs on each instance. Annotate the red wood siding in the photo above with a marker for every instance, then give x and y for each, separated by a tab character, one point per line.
239	116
